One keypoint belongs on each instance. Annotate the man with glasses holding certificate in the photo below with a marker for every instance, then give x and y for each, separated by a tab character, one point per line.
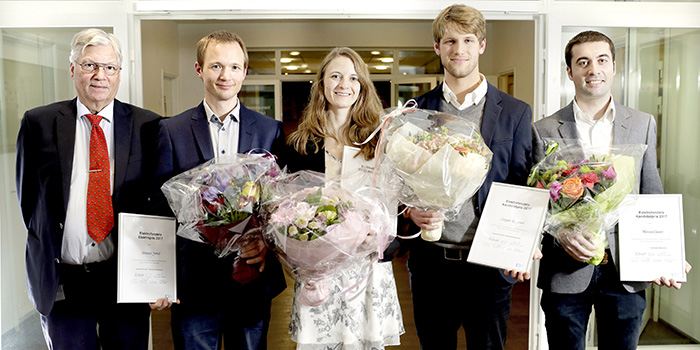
79	164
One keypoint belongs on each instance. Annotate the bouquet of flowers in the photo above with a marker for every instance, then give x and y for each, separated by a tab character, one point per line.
318	229
587	187
216	203
441	159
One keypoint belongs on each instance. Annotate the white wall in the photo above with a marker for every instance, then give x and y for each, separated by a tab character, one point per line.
159	53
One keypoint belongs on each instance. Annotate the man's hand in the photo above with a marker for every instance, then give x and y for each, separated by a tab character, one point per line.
426	220
162	303
254	252
663	281
523	276
579	246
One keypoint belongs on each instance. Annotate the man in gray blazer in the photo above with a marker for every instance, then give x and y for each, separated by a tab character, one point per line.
570	285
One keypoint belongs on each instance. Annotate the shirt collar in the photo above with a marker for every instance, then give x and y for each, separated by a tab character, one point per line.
213	119
582	116
106	113
470	99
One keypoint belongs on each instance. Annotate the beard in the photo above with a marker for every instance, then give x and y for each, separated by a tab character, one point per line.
459	70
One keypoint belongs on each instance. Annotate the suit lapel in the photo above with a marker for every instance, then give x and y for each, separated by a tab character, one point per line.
621	127
200	130
123	127
567	129
65	139
245	130
492	110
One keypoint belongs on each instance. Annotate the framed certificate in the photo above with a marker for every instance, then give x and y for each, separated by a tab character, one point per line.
510	227
146	259
651	239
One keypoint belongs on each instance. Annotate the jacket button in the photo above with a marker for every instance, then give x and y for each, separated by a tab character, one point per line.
57	261
60	226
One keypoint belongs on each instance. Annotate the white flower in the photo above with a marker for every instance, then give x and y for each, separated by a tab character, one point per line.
292	230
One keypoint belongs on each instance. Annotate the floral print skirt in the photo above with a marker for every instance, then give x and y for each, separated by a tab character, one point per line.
367	317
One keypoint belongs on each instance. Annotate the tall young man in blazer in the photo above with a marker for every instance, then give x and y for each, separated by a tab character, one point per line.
447	291
571	287
212	305
74	157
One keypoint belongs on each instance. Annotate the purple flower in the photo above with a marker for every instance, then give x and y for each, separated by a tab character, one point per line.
609	173
554	188
210	194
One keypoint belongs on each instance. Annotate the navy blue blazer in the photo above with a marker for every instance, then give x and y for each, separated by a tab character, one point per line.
184	142
45	147
507	131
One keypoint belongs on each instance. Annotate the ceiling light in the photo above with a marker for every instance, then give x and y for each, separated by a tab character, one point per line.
307	71
304	65
294	53
387	59
292	67
381	67
375	52
285	60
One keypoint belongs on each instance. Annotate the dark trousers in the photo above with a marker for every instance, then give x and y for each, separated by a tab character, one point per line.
89	316
241	322
618	313
449	294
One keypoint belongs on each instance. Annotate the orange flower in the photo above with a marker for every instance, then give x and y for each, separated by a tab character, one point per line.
572	187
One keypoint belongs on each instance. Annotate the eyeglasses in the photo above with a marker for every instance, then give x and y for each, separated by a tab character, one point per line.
91	67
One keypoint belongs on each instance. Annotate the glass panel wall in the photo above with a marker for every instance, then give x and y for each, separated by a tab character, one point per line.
34	72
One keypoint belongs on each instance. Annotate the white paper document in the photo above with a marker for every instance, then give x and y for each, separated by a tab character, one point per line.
146	258
510	227
356	172
651	242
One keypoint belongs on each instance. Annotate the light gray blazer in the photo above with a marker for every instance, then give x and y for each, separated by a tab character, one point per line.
559	272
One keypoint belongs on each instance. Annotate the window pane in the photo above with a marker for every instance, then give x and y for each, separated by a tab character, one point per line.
405	92
378	62
260	98
419	62
295	95
301	62
261	62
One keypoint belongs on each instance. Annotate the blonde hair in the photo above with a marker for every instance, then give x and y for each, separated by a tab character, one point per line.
364	115
220	36
464	18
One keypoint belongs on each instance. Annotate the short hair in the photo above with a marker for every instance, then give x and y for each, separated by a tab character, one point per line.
220	36
587	37
464	18
93	37
364	115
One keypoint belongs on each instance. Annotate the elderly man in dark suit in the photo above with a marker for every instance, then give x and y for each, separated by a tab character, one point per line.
79	164
214	306
570	286
448	292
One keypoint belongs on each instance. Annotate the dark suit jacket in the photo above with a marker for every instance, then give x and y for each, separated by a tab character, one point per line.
45	148
559	272
184	142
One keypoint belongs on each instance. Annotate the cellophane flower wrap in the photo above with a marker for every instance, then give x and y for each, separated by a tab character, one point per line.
319	229
217	203
441	159
587	186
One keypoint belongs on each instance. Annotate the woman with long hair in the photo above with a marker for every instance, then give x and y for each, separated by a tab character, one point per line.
343	109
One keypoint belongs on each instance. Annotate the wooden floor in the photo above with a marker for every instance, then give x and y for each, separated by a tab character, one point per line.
278	337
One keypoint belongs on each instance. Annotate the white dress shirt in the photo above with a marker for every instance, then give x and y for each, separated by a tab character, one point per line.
224	135
78	247
596	133
470	99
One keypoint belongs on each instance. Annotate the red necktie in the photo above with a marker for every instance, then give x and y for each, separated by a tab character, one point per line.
100	217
